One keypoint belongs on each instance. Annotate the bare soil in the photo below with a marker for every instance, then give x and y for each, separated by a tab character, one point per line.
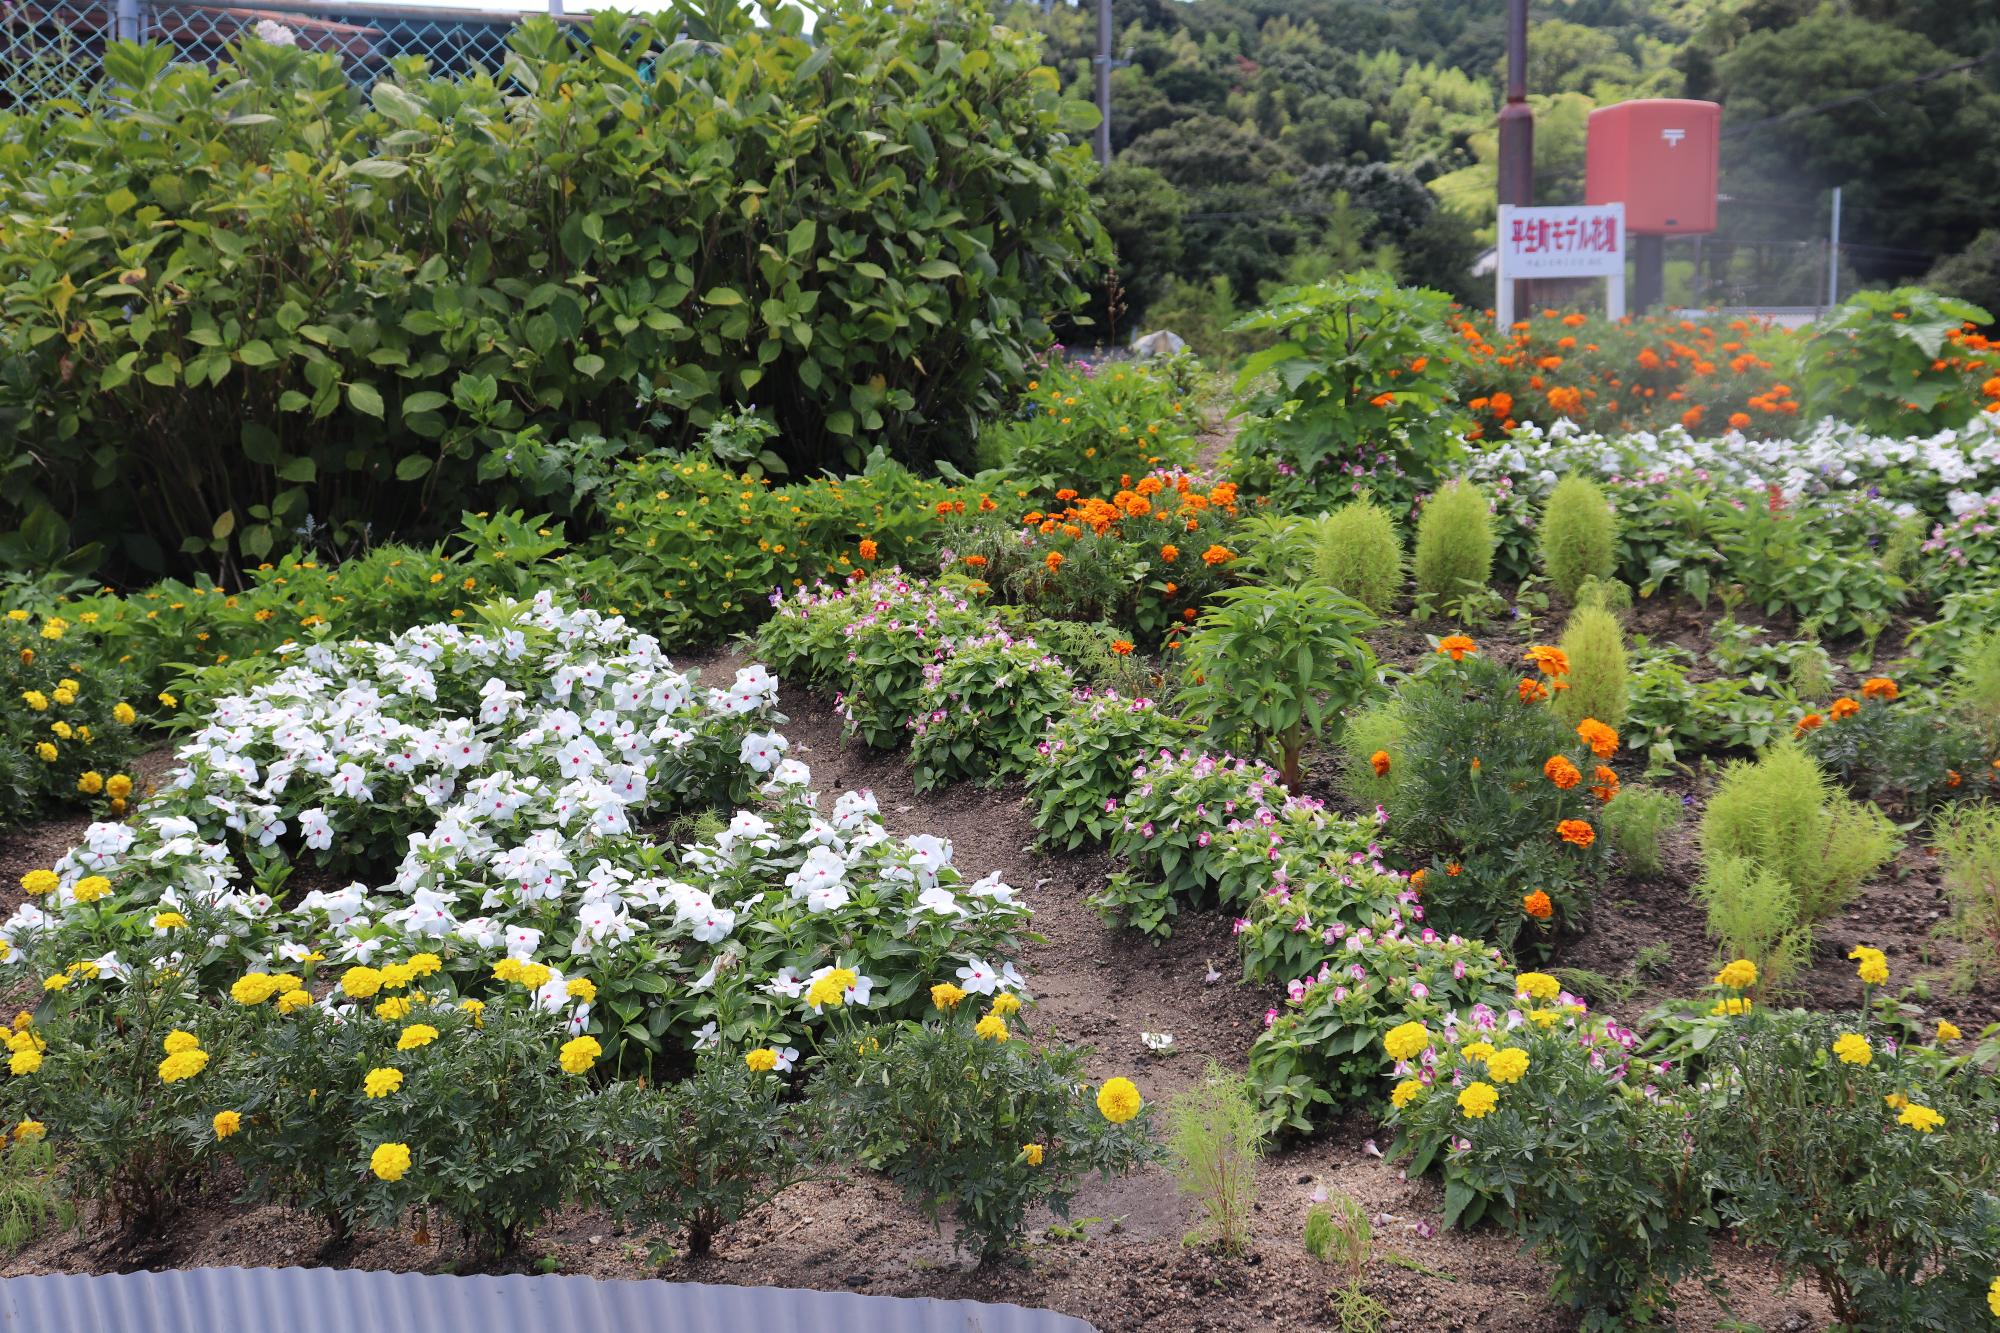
1128	1262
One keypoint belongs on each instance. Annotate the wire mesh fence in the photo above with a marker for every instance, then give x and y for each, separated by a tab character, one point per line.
51	50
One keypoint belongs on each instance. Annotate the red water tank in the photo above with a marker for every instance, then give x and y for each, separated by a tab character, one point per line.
1658	157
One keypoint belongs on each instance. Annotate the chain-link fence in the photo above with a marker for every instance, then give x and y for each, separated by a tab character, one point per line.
51	50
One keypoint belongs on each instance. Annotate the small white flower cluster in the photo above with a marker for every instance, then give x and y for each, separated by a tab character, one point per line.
1962	466
512	767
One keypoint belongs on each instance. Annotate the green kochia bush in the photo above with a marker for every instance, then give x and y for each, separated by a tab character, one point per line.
1597	682
1454	543
235	296
1356	550
1579	535
1782	815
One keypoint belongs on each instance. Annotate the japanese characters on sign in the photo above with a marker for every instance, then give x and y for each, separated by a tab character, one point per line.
1580	241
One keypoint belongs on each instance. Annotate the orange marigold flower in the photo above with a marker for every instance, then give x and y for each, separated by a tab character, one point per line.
869	550
1538	906
1561	772
1417	878
1382	400
1123	647
1454	869
1456	646
1602	740
1810	722
1217	555
1691	418
1606	785
1843	707
976	561
1188	614
1576	831
1170	553
1952	777
1501	403
1054	560
1879	687
1738	420
1532	691
1173	589
944	507
1379	761
1550	661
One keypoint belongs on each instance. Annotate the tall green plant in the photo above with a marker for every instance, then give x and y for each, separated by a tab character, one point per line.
418	283
1598	685
1781	814
1579	535
1454	544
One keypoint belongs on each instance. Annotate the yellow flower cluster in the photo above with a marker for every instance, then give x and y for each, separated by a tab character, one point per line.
1477	1099
185	1058
579	1054
1739	975
762	1060
1405	1040
390	1161
831	989
1853	1049
1871	965
381	1082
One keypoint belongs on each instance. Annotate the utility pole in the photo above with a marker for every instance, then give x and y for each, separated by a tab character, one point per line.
1833	255
1103	63
1517	131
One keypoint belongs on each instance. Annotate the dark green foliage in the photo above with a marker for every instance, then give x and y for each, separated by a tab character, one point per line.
420	285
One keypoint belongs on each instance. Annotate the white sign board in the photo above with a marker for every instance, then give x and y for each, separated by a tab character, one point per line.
1572	241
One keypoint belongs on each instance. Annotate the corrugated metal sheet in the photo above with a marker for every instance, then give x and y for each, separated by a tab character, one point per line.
330	1300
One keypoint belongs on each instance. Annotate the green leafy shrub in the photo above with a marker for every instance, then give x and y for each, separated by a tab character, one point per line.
1579	535
1820	561
1359	390
1878	362
683	536
1354	550
1865	1163
693	1156
1269	667
1598	685
383	374
1318	899
1089	427
1635	822
1084	766
1495	794
1908	754
1975	685
983	710
1755	915
69	716
1968	845
1325	1049
1213	1146
1782	815
977	1118
1454	545
1554	1144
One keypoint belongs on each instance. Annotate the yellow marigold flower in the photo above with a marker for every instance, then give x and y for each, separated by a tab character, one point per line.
38	882
381	1082
1948	1031
944	995
1405	1092
17	615
763	1060
178	1041
393	1009
477	1008
1733	1007
389	1161
507	969
360	982
36	700
56	982
1871	965
168	700
415	1035
1538	984
1118	1100
1993	1298
53	628
118	786
991	1028
24	1062
1895	1101
293	1001
581	988
226	1123
1544	1018
1033	1152
124	714
62	731
90	782
46	752
1477	1099
1478	1050
1507	1065
579	1054
1739	975
1405	1040
90	888
1005	1004
533	976
63	697
831	989
1920	1118
30	1130
1853	1049
182	1065
253	988
25	1040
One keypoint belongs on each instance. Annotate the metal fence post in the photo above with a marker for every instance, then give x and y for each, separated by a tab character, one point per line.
128	20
